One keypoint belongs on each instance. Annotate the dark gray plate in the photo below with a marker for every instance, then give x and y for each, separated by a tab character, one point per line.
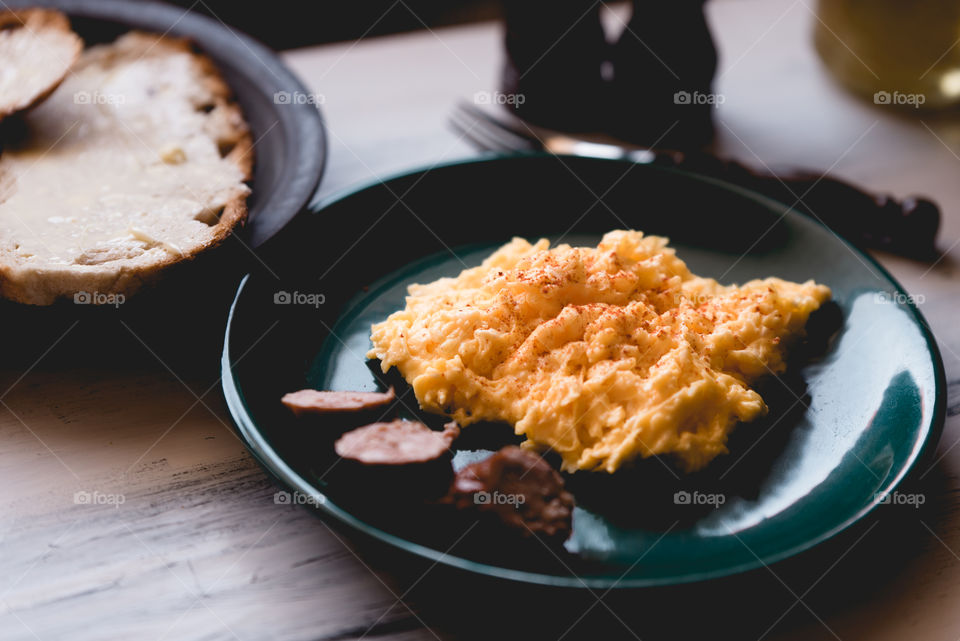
290	148
843	432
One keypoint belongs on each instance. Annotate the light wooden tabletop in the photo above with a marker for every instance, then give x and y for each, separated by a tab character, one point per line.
130	510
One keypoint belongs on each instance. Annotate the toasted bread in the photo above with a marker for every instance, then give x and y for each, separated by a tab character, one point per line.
37	48
138	161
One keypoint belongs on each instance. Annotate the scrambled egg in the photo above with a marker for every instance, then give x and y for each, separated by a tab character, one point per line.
600	354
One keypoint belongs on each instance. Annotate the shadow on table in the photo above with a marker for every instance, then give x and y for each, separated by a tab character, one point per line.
853	569
176	325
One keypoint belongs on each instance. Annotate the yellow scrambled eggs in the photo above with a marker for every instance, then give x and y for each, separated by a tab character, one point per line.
600	354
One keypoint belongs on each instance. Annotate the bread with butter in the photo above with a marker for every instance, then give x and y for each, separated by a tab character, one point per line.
138	161
37	48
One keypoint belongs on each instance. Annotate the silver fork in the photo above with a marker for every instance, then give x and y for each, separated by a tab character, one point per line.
508	133
907	227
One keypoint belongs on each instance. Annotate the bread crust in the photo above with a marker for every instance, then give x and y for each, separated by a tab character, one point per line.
37	20
128	275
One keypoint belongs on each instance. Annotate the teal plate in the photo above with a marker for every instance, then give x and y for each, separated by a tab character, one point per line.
844	429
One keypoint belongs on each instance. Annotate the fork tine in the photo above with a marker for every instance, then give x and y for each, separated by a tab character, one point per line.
479	133
509	124
469	130
495	130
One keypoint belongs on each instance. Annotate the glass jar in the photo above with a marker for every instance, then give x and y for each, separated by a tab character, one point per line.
898	52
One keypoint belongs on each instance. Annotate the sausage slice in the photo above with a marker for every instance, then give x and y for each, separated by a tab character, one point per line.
396	443
518	491
399	462
309	401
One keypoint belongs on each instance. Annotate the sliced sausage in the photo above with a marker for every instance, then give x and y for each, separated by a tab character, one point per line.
399	459
398	442
517	491
309	401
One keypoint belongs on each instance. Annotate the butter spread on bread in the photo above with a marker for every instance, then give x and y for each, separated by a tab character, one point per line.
37	48
136	162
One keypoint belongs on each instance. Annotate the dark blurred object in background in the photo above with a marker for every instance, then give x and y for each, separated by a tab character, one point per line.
555	51
285	24
558	58
652	87
663	67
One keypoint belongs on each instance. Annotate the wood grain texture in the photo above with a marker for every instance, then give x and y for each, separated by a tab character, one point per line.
199	550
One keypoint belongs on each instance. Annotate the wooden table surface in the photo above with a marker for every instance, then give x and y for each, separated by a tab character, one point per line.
181	538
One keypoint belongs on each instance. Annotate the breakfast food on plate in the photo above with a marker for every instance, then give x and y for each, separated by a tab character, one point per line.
398	458
602	354
309	401
402	463
37	48
398	442
516	490
135	163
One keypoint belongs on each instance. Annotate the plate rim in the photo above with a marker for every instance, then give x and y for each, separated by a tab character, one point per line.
282	472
